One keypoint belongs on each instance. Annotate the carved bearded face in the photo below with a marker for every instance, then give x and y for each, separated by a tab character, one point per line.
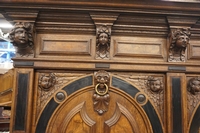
21	37
182	41
103	38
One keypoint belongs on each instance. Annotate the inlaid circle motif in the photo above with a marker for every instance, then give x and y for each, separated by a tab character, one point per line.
141	98
60	96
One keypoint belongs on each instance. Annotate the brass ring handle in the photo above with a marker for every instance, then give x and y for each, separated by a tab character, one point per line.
101	93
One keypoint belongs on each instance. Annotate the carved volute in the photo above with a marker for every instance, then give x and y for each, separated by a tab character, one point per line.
179	40
22	38
101	96
103	42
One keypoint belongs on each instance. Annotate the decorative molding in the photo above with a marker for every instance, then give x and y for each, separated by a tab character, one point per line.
101	96
179	41
119	111
22	38
82	109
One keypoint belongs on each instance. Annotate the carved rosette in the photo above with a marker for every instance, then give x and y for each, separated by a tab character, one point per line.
152	86
193	95
179	40
22	38
101	96
103	42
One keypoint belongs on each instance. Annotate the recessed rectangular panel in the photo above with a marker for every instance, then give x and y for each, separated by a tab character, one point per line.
195	51
123	48
66	46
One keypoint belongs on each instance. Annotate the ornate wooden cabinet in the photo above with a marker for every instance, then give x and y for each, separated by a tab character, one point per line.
105	67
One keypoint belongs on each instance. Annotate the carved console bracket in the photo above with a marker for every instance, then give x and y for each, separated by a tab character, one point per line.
103	42
101	95
103	23
22	38
179	40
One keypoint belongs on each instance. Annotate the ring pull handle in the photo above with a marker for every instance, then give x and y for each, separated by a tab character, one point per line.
101	93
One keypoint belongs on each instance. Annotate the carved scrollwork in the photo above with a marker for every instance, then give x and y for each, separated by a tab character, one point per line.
103	42
22	38
101	96
179	40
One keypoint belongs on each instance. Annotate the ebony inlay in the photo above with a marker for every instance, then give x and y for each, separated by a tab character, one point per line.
123	85
78	84
45	116
176	105
153	117
21	106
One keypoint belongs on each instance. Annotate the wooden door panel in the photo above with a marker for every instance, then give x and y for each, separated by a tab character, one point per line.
76	114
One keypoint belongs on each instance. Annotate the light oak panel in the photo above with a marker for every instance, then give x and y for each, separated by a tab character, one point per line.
138	47
61	46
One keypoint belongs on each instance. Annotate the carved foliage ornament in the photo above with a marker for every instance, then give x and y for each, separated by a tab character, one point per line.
101	96
103	42
47	81
22	38
179	40
194	85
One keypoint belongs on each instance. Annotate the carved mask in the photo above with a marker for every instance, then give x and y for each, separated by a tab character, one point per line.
182	41
103	38
21	37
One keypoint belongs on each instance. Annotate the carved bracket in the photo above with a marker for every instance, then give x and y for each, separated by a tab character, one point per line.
101	96
103	42
179	40
22	38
